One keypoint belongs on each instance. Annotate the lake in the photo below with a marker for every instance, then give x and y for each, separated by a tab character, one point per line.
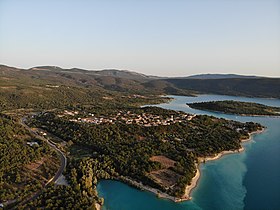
247	180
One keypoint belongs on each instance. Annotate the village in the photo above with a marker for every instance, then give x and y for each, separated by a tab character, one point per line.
128	117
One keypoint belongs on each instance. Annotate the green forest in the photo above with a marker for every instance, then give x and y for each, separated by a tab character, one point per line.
125	155
22	171
237	107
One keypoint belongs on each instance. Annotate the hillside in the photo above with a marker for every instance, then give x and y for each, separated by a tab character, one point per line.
135	83
125	74
258	87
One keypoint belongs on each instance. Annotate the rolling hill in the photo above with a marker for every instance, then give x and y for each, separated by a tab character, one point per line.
38	78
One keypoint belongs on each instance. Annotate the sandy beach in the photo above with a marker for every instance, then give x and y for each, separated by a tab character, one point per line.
195	179
190	187
97	206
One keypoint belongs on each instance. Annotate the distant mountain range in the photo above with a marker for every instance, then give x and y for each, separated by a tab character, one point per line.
137	76
106	72
133	82
219	76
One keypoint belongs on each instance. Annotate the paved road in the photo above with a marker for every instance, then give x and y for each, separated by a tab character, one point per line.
62	157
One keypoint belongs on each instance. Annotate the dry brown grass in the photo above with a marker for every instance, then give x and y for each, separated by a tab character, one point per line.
36	164
164	161
165	177
37	170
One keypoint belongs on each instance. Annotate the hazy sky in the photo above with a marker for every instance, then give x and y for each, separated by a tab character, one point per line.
159	37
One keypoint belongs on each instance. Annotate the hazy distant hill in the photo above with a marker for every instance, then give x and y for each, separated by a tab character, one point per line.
106	72
252	87
132	82
219	76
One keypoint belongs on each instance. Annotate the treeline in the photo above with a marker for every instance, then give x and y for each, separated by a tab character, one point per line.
129	147
59	197
237	107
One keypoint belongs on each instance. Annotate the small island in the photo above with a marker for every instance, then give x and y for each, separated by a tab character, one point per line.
237	107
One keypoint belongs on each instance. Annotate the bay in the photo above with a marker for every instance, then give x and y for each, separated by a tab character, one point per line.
247	180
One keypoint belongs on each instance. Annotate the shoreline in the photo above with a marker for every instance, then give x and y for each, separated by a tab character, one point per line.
141	186
195	179
236	114
97	206
194	183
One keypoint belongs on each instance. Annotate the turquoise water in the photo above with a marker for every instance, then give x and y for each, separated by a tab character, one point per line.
249	180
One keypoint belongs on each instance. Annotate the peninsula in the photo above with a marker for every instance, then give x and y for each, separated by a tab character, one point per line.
237	107
151	148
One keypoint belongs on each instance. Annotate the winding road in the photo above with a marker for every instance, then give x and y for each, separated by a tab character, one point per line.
62	157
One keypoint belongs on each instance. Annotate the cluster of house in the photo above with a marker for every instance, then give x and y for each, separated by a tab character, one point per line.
143	119
146	119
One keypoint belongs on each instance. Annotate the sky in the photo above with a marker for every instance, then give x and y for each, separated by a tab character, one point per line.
155	37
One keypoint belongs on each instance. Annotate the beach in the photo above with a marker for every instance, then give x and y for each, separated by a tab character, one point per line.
97	206
190	187
195	179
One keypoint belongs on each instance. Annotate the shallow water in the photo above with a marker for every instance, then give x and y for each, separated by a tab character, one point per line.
247	180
